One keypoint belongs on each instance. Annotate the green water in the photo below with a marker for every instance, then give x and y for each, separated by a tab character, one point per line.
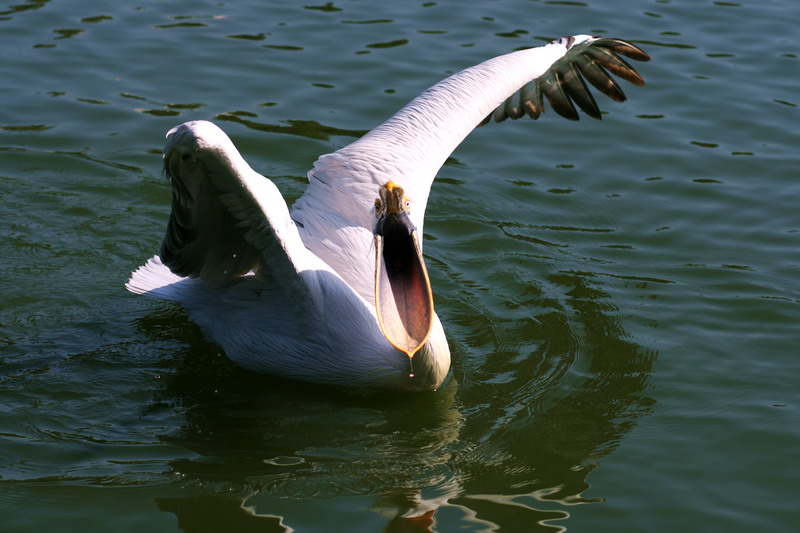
621	297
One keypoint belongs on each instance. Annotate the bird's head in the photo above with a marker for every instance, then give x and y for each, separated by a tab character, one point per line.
403	296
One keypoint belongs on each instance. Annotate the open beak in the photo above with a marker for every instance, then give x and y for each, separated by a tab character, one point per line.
403	296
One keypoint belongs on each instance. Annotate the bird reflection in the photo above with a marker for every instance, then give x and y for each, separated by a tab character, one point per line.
481	453
204	513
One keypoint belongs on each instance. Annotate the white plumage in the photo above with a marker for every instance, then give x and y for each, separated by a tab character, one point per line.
294	293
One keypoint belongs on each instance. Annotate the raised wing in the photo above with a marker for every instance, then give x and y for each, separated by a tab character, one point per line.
335	213
227	220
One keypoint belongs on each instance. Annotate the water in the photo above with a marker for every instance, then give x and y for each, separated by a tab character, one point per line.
621	297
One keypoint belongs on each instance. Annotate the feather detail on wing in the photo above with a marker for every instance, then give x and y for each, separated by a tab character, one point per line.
156	280
563	85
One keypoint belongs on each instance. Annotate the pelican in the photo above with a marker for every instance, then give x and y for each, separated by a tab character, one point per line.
336	289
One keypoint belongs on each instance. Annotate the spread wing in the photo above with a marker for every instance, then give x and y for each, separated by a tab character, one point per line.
227	220
335	213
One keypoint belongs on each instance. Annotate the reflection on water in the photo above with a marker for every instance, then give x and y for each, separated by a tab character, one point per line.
305	128
515	447
208	513
19	8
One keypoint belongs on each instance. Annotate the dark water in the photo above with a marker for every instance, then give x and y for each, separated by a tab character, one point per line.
621	297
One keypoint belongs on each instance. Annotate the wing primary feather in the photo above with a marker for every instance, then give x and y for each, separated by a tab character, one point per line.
602	80
563	83
553	89
513	107
615	64
625	48
499	114
575	87
531	98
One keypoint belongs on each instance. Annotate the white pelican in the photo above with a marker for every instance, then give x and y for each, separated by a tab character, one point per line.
336	290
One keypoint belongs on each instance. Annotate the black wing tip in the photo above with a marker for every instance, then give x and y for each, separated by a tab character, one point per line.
623	47
563	90
602	56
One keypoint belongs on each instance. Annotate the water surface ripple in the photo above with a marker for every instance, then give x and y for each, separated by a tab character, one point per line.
621	296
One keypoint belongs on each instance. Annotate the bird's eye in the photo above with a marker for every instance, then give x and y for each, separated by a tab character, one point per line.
377	206
407	203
